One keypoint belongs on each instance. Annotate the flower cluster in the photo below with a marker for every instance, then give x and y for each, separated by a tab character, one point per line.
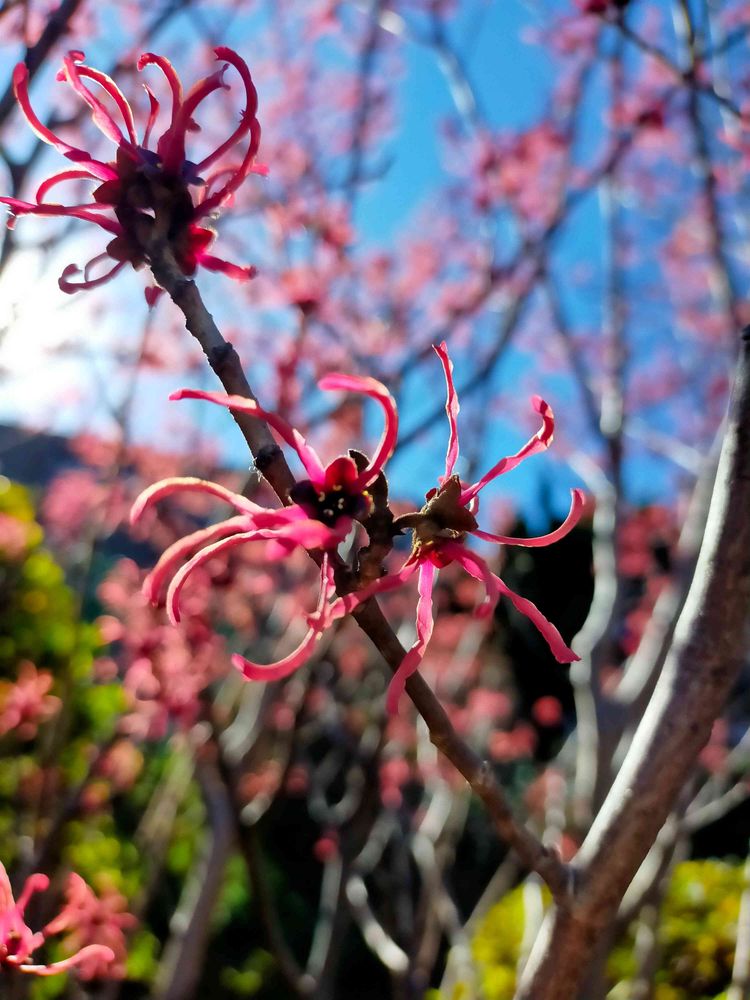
27	702
18	942
95	925
323	509
440	531
145	192
320	514
163	670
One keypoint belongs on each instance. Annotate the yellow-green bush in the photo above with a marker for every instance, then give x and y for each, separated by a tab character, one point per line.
39	619
696	936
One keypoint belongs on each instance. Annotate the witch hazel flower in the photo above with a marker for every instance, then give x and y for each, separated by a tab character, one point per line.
440	532
321	512
101	921
18	942
27	703
147	190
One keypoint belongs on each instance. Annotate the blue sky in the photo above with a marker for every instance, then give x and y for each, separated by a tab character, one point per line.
513	81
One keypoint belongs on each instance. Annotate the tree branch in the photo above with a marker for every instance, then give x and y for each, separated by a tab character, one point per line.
704	662
269	460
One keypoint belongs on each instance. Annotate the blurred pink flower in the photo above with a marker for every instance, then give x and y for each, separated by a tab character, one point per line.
95	928
322	510
164	670
143	186
14	537
18	941
25	704
547	711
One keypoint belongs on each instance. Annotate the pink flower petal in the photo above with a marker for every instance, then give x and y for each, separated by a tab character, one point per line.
99	951
246	115
100	115
312	534
34	883
171	146
205	555
71	287
238	272
151	59
424	631
153	114
86	214
6	892
539	442
577	504
305	534
64	175
238	175
277	549
21	90
110	87
561	652
173	556
288	664
166	487
451	408
476	566
377	391
308	457
281	668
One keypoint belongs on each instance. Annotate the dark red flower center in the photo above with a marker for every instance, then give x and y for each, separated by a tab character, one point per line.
142	193
327	506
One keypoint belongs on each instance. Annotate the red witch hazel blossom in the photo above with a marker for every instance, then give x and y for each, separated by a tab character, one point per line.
18	942
440	532
321	512
145	190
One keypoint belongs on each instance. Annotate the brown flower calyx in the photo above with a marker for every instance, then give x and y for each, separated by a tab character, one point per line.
443	517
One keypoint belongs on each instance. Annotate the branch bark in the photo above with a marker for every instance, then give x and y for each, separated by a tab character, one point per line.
703	664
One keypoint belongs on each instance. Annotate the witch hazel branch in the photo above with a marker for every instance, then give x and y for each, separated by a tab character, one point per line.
153	201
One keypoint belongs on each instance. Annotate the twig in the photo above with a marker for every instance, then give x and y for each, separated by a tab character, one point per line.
728	293
683	76
375	935
364	105
57	25
184	953
705	814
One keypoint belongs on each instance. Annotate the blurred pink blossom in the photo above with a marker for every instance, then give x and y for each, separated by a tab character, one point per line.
26	703
94	927
18	942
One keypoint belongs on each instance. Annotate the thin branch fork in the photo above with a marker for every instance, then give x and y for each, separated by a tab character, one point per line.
269	460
